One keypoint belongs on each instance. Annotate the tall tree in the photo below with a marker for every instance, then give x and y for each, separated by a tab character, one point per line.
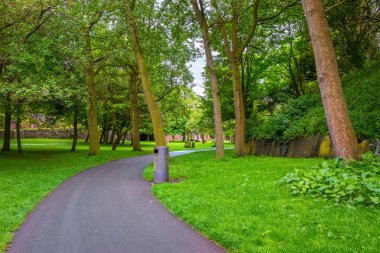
236	38
7	123
87	24
219	137
18	22
150	99
94	146
338	121
234	49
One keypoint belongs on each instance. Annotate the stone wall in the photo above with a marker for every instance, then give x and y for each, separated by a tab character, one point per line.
46	133
311	146
195	137
68	133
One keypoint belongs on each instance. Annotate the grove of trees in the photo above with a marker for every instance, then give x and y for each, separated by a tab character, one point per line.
122	66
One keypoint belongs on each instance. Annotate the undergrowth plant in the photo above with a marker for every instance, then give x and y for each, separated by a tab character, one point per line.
355	183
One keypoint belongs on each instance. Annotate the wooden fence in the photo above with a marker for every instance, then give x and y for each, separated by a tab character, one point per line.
311	146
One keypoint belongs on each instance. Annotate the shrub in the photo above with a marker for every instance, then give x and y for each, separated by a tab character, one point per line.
305	116
353	183
301	116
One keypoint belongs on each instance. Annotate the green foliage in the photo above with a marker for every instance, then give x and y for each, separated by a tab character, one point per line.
354	183
183	118
362	90
302	116
305	115
354	36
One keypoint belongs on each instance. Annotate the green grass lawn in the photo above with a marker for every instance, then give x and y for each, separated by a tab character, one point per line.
27	178
239	203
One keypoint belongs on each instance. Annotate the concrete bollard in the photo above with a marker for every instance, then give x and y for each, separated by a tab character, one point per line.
161	164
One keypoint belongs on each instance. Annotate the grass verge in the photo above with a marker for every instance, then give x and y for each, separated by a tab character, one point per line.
25	179
239	203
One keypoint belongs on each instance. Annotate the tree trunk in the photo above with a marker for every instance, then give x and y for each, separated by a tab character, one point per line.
103	134
112	136
219	137
94	146
135	113
239	109
18	132
7	123
341	131
119	135
203	138
113	129
232	138
75	134
150	99
106	135
235	63
234	49
124	137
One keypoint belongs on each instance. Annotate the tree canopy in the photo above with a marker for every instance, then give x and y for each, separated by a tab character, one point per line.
122	67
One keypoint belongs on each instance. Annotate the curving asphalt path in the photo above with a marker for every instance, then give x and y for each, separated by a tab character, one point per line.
107	209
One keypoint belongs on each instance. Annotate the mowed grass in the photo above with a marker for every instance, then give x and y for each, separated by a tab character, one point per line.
239	203
25	179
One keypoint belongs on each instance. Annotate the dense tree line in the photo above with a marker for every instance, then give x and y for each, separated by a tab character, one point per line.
122	66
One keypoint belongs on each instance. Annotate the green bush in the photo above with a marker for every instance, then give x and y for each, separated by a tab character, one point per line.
353	183
305	116
299	117
362	90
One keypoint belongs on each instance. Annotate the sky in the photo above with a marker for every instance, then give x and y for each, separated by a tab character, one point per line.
196	68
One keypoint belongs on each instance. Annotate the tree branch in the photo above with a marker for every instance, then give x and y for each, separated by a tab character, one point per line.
278	13
334	5
251	30
98	15
223	30
40	23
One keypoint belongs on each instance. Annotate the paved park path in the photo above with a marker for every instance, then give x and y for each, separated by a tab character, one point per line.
107	209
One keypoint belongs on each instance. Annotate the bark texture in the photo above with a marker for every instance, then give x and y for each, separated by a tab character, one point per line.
135	112
18	133
94	146
7	123
106	135
75	134
339	123
124	137
150	99
239	109
113	132
119	135
219	137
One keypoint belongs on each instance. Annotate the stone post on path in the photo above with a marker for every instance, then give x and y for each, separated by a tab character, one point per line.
161	164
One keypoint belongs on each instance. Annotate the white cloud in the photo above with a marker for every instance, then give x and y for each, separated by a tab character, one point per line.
198	87
197	67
